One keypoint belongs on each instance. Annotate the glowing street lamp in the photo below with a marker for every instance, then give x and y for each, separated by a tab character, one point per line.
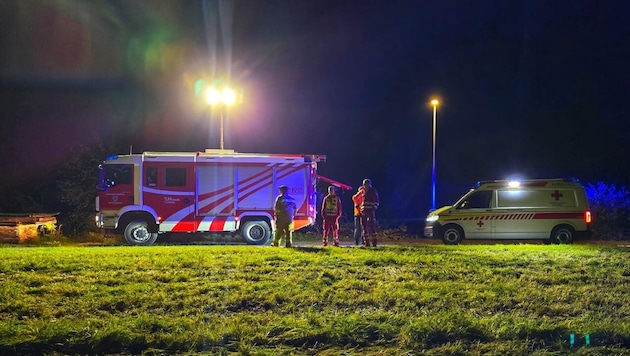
435	104
225	98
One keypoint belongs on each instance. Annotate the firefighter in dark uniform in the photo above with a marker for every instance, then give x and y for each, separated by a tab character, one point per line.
284	211
368	213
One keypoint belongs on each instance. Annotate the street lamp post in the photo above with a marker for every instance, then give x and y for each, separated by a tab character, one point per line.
224	98
435	103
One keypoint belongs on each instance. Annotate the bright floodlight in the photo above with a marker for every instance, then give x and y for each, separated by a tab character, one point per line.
435	102
213	97
228	96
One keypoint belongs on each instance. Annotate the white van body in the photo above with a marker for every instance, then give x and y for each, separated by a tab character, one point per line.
553	210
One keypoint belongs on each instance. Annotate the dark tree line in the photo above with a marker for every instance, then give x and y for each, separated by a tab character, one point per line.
76	185
69	191
610	206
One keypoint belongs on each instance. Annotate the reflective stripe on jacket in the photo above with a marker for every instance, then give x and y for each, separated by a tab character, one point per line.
331	206
370	199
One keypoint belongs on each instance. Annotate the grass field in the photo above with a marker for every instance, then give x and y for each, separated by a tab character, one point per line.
495	299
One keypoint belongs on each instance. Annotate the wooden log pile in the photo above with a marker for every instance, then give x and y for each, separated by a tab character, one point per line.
18	228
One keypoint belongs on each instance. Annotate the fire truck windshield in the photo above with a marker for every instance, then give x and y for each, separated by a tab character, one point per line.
111	175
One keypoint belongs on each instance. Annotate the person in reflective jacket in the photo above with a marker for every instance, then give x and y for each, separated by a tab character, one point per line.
331	211
357	199
284	211
368	213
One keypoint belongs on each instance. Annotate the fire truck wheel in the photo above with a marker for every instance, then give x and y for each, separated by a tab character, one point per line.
137	233
256	232
452	234
562	234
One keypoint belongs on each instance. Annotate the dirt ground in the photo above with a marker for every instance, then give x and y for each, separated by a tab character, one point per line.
400	236
391	235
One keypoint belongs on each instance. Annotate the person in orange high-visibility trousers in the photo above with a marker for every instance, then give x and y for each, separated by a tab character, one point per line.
331	211
368	213
357	199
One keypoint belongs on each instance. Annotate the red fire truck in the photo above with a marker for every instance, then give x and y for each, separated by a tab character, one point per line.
143	195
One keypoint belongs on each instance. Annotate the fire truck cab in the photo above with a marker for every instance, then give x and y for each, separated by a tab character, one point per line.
144	195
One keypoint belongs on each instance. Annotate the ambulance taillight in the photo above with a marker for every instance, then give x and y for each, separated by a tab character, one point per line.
587	217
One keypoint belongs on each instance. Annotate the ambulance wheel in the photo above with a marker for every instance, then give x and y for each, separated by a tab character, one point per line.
137	233
452	234
562	234
256	232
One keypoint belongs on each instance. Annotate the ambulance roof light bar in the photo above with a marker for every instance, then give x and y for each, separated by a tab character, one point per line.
514	184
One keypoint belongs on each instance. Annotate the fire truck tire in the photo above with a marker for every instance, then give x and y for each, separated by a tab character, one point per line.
256	232
452	234
562	234
137	233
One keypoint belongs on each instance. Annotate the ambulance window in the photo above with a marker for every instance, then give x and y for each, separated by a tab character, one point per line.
542	198
175	177
151	176
477	200
517	198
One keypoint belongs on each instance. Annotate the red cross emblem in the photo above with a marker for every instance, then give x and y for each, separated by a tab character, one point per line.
556	194
480	223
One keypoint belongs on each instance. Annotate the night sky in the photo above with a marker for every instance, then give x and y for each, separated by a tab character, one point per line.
535	89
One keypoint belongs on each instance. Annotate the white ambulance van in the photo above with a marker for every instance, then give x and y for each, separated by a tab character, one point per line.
554	210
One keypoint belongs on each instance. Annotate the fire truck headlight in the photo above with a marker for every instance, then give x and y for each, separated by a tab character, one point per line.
432	218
